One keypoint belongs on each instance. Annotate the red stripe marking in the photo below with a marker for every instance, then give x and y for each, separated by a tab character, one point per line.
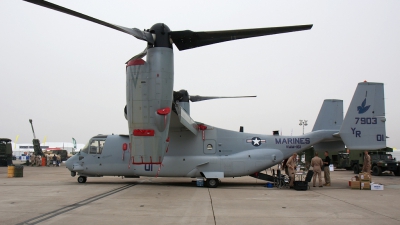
135	62
138	132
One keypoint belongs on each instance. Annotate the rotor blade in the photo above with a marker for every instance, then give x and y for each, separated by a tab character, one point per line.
187	39
142	35
197	98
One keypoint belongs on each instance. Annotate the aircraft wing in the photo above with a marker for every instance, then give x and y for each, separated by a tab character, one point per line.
181	119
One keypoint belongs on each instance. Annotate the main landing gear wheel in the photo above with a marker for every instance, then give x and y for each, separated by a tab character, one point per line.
81	179
212	183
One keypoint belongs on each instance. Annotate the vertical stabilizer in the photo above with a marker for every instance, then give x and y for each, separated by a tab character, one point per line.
330	116
363	127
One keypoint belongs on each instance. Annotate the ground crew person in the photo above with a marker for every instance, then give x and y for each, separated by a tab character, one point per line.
58	160
32	158
291	164
327	173
284	166
317	163
54	160
38	160
367	163
48	160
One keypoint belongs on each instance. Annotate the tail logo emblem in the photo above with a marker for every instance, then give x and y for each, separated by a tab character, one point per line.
363	108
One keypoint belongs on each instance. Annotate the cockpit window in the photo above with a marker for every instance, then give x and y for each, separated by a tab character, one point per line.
85	149
96	146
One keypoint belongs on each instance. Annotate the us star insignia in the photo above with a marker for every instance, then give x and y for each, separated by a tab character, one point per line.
255	141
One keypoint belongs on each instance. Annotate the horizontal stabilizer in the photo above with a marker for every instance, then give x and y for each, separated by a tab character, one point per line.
363	127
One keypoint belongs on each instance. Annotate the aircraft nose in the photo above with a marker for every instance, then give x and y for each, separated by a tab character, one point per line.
70	162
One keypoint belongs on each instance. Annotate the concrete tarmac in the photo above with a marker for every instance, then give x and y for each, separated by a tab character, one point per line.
49	195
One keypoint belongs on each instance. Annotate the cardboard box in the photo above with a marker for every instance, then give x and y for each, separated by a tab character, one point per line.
365	185
376	187
355	184
355	178
365	177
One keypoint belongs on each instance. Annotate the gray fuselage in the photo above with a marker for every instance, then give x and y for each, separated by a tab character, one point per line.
222	153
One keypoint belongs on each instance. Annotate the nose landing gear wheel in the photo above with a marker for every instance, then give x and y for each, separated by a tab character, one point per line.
81	179
212	183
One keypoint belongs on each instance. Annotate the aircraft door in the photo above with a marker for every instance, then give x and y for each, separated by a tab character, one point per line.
94	154
209	146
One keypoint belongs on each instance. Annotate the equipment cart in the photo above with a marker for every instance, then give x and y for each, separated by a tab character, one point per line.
299	183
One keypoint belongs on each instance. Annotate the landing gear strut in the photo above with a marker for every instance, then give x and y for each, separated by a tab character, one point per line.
81	179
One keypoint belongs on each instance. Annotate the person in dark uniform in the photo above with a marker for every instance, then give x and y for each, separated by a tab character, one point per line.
54	160
327	173
284	166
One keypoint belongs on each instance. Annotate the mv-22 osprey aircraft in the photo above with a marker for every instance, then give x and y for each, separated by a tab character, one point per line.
165	141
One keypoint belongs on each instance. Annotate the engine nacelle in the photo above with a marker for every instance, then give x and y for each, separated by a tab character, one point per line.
149	100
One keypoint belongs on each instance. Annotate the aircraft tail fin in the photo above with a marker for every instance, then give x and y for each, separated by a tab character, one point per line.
363	127
330	116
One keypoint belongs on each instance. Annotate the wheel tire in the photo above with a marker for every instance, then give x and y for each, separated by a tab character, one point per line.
397	172
81	179
212	183
356	169
376	171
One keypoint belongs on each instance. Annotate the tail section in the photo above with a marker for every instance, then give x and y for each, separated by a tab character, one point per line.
330	117
363	127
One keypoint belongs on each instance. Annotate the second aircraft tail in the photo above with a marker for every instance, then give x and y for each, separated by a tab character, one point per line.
363	127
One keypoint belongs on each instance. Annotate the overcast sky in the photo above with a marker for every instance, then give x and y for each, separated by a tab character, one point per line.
68	74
